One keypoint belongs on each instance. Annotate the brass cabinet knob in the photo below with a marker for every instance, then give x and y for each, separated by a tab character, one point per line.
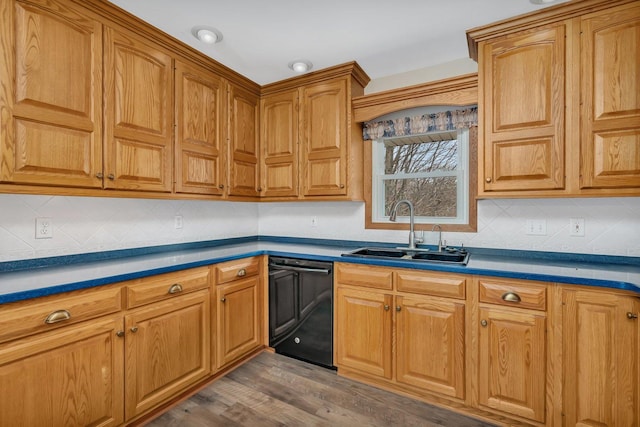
632	316
134	329
242	272
511	297
488	179
483	323
111	176
175	288
386	307
223	299
398	308
259	189
57	316
221	186
341	185
120	334
99	175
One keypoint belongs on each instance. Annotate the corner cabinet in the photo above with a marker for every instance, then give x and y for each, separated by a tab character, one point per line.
560	114
310	147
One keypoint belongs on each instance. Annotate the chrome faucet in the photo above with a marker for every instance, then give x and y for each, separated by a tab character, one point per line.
439	235
412	236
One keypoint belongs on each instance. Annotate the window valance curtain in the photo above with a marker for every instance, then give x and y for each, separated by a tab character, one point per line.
441	121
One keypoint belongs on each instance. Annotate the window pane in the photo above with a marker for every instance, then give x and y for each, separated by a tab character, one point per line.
421	157
434	197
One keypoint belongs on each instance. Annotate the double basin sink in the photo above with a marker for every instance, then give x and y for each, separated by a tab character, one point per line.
447	256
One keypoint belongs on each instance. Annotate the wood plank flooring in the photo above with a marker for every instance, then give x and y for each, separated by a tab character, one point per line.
274	390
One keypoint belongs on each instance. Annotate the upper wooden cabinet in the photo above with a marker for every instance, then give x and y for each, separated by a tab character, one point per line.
243	143
138	114
560	115
50	97
311	147
199	144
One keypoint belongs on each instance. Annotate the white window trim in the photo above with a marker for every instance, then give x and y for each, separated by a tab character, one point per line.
462	173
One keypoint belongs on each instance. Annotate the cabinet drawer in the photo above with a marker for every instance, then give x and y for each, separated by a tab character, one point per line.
163	286
364	275
531	295
43	314
236	269
441	285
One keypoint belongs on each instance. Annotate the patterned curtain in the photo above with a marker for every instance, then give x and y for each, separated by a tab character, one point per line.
441	121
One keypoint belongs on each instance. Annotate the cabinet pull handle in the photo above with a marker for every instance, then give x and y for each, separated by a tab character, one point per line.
134	329
120	334
111	176
57	316
488	179
175	288
483	323
386	307
242	272
99	175
223	299
632	316
221	186
398	308
259	189
341	185
511	297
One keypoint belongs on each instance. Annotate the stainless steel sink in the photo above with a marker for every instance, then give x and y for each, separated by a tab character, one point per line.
448	256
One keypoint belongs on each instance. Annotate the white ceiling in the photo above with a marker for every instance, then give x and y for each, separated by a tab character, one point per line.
261	37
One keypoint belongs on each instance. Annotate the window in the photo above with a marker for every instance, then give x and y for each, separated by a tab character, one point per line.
431	170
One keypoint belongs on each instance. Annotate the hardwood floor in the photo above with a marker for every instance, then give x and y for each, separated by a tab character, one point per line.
274	390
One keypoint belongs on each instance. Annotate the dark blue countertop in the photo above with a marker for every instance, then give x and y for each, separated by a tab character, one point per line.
33	278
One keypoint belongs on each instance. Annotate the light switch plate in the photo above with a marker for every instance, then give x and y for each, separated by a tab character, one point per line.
576	227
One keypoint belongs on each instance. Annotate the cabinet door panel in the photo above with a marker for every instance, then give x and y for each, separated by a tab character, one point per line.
363	331
279	129
611	99
524	80
199	131
238	325
512	362
324	138
600	348
430	345
70	377
243	143
167	349
138	114
52	135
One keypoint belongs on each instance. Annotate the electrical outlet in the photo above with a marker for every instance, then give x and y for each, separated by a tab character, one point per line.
44	228
314	221
177	221
536	227
576	227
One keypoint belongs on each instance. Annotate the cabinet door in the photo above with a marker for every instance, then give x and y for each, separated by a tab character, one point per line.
50	95
70	377
279	141
239	319
512	362
430	344
138	114
611	99
600	359
199	153
363	331
167	350
523	80
324	139
243	143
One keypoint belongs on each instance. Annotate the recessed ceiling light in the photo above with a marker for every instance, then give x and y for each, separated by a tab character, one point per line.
300	65
542	1
207	35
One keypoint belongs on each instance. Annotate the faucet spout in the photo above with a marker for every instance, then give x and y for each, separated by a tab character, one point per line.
392	217
439	236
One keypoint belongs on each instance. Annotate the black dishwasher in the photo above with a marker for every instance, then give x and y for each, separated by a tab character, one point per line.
301	309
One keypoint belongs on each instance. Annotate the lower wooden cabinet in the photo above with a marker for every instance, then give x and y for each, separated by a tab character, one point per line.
601	358
167	349
239	319
69	377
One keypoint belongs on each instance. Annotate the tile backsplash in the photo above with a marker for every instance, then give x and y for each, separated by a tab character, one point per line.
85	224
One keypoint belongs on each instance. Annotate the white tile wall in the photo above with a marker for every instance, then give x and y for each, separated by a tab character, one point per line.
83	224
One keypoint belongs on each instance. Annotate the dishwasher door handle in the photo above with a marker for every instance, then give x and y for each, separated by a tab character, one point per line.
300	269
